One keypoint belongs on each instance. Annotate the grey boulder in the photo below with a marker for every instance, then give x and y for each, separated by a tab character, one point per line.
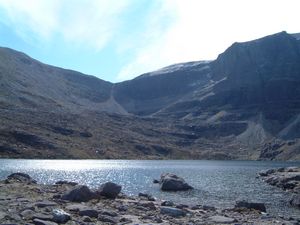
79	193
172	182
251	205
109	190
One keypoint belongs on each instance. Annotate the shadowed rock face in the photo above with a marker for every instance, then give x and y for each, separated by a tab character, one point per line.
234	107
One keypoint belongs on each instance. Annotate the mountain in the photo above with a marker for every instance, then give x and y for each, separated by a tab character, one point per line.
243	105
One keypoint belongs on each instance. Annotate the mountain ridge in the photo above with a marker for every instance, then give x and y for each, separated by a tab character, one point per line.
243	105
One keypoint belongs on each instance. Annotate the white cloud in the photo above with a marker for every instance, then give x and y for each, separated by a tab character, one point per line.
79	22
202	29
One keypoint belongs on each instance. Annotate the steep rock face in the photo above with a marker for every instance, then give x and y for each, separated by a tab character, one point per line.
152	92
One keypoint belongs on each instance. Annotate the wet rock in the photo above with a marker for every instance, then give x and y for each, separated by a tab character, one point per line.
109	190
174	212
295	201
43	222
60	216
88	212
222	219
79	193
171	182
21	177
251	205
107	219
62	182
167	203
155	181
45	203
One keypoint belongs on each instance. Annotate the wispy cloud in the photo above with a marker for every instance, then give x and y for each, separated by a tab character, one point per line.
91	23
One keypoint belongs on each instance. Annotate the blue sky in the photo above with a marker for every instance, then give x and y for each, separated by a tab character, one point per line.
117	40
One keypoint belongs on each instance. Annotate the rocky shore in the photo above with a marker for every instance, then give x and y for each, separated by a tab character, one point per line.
24	201
287	179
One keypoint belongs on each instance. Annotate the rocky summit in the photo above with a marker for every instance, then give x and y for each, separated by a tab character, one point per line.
243	105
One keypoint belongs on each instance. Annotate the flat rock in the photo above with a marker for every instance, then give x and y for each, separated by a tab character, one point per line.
174	212
45	203
107	219
43	222
27	213
42	216
222	219
88	212
75	207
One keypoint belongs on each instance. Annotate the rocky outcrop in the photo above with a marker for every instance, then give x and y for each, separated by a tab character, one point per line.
285	178
172	182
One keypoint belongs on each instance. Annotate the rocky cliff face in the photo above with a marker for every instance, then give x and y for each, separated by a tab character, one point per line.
239	106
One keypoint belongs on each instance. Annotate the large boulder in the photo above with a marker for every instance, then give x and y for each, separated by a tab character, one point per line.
171	182
251	205
109	190
79	193
21	177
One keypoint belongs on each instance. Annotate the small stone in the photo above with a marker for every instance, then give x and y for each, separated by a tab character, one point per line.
167	203
295	201
222	219
172	211
45	203
75	207
251	205
42	216
43	222
60	216
148	205
109	213
2	215
107	219
27	214
89	212
86	219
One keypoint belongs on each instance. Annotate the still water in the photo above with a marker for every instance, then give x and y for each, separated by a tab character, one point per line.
217	183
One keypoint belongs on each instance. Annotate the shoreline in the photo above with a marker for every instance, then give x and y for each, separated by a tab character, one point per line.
23	201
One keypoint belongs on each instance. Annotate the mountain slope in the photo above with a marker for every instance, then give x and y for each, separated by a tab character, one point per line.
243	105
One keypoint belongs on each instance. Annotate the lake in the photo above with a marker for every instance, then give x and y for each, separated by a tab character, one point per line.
216	183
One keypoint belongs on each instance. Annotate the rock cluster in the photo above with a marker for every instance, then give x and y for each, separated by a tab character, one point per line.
285	178
23	202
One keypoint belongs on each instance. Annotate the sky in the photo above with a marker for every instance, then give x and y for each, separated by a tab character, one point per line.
117	40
